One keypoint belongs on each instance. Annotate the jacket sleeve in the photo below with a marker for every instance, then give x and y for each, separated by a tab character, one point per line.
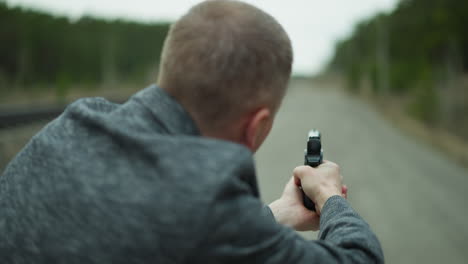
239	229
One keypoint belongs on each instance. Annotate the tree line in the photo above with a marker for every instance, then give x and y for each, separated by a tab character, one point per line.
39	48
419	53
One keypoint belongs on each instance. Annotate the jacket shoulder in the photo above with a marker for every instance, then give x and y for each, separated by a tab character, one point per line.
213	163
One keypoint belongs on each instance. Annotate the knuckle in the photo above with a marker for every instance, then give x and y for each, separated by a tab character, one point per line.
300	171
336	167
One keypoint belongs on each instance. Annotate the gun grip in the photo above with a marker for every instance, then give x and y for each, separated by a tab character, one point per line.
312	161
307	202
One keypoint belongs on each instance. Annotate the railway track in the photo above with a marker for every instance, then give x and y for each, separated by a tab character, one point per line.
11	117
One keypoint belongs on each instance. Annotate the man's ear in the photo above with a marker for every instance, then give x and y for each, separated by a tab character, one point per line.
257	128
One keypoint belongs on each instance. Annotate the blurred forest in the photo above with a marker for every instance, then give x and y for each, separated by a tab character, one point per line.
55	53
416	55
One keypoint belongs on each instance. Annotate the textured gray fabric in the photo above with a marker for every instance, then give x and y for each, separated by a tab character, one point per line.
136	183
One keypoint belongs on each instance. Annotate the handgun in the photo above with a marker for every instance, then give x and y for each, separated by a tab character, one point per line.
313	156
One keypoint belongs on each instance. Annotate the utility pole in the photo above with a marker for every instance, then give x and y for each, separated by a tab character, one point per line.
382	56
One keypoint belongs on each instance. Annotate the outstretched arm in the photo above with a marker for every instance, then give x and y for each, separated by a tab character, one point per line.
242	231
338	222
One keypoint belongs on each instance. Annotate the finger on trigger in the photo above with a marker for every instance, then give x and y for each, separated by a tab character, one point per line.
297	181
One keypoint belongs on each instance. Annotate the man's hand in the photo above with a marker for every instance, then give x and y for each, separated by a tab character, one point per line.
290	211
319	184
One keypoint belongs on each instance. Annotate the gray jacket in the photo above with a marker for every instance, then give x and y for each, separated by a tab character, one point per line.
136	183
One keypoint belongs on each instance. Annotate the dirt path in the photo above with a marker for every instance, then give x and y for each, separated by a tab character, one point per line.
414	198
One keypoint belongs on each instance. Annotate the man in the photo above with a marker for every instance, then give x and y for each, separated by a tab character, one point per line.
168	176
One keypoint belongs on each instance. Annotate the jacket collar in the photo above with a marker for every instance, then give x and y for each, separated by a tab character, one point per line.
166	111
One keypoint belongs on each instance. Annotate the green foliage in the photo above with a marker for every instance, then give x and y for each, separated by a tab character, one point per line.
40	48
424	103
62	86
405	50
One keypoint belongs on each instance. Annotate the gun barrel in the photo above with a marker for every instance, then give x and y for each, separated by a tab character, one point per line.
313	156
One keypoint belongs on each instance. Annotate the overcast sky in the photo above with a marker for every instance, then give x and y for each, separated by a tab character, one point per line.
313	25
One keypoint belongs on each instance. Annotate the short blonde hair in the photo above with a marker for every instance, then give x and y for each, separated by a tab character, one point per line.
224	58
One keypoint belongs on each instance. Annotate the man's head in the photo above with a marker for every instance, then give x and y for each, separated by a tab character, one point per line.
228	63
